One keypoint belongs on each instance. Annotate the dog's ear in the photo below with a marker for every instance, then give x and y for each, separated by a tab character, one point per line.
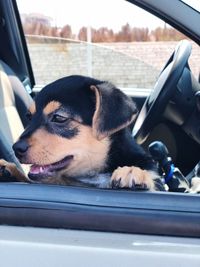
114	110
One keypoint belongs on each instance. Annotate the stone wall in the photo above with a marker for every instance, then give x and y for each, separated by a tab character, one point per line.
125	64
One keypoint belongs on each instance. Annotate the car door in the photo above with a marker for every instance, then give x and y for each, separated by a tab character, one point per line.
49	225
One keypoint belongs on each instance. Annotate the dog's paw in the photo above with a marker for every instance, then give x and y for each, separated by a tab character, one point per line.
195	185
132	177
4	169
9	169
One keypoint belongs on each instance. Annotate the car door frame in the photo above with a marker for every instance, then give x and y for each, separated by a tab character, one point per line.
94	209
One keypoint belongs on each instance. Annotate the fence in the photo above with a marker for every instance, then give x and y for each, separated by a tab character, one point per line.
125	64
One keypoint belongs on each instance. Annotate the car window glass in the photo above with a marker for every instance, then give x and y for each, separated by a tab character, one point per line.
128	47
193	3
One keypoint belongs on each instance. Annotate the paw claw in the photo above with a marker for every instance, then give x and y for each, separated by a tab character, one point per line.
2	168
116	183
145	187
133	184
4	172
142	186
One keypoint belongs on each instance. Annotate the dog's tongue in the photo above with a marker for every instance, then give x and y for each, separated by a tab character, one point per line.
47	169
36	169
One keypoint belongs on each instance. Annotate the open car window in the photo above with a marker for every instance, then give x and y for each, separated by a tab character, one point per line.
133	40
138	53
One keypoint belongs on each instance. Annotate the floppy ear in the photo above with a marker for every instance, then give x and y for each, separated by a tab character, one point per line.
114	110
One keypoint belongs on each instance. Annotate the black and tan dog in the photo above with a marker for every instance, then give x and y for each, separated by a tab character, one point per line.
78	130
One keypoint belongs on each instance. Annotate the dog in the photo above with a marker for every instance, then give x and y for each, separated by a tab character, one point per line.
79	135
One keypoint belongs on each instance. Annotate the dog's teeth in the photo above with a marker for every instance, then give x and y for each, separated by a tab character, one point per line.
41	169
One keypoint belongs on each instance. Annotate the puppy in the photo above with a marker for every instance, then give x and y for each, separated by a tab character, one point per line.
78	135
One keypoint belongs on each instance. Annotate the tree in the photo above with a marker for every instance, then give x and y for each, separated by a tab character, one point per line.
82	35
66	32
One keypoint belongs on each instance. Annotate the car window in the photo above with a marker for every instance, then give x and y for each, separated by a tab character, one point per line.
90	209
193	3
128	47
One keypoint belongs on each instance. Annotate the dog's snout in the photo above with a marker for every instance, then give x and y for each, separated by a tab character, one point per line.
20	148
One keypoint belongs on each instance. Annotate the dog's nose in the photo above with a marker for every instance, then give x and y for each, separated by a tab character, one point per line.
20	148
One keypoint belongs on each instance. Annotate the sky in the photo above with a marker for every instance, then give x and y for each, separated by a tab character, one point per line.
193	3
77	13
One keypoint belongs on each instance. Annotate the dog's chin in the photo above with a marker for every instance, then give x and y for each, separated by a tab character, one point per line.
41	172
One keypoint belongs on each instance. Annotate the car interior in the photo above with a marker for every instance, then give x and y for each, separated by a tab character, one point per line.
178	125
14	103
174	120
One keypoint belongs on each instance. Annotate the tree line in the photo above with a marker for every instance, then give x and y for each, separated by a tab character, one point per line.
41	25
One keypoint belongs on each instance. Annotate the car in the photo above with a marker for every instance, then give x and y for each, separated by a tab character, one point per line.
49	225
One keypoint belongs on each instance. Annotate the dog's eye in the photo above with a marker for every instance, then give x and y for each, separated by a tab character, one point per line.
29	115
58	118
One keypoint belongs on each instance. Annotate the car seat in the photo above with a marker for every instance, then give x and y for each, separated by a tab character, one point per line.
14	101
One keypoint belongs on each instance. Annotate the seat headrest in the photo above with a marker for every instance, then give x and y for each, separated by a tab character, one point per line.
6	93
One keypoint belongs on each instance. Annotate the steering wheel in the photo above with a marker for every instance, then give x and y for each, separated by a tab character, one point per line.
164	89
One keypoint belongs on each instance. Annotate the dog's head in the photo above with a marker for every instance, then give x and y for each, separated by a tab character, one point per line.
70	129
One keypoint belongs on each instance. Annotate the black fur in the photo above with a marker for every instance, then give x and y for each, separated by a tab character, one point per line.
75	93
115	109
125	151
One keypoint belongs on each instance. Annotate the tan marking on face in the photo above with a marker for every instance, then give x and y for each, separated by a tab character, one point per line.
32	108
89	153
51	107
